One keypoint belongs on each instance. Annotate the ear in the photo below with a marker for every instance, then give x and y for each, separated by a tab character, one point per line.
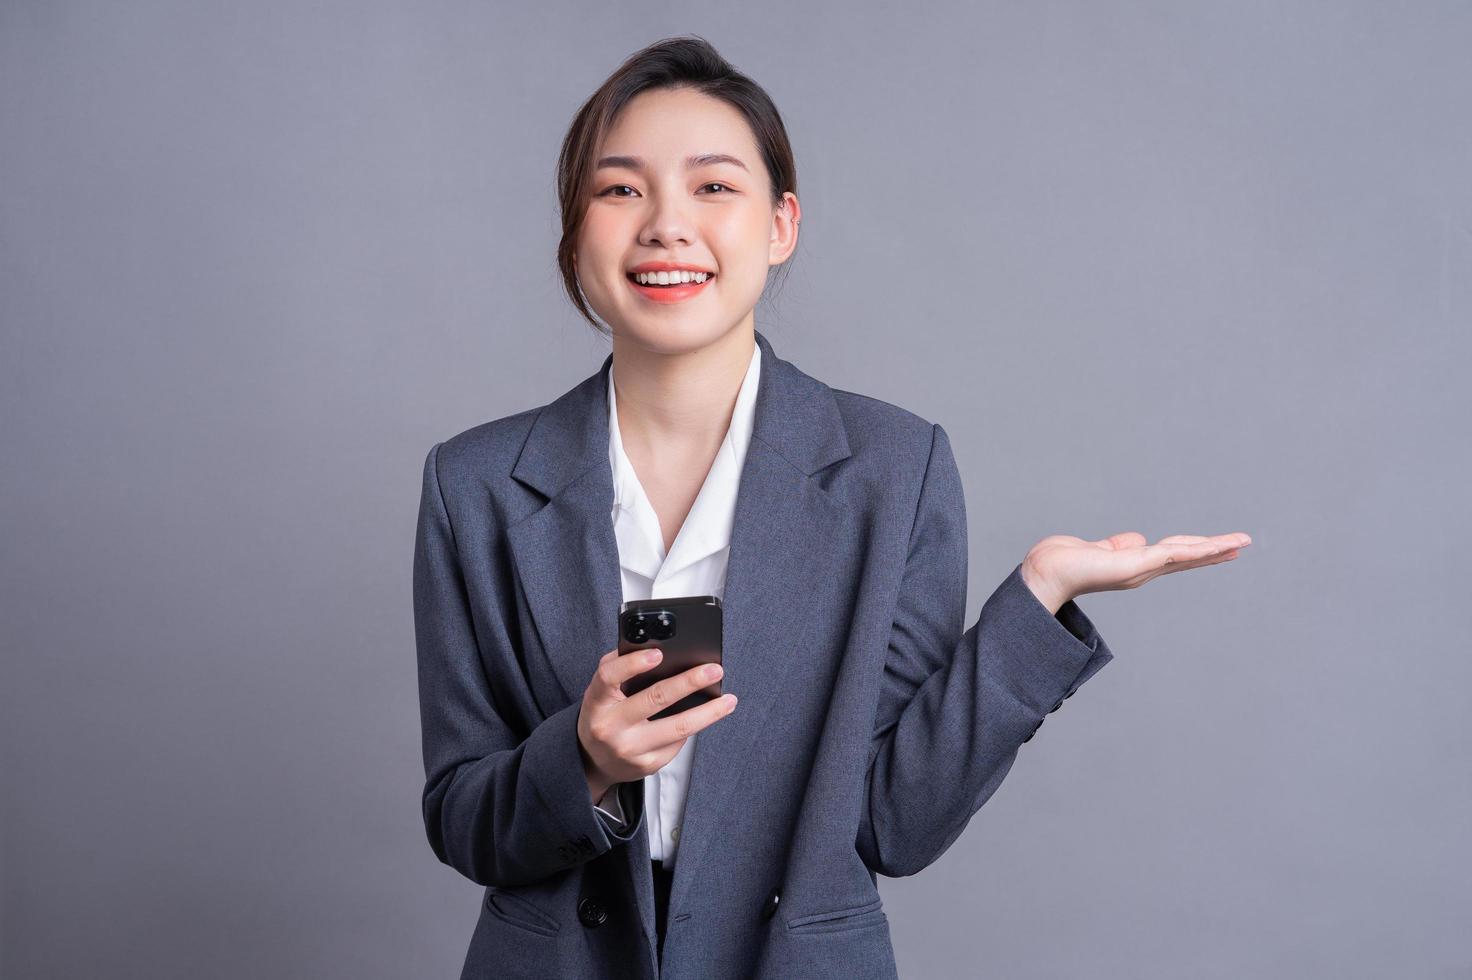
784	229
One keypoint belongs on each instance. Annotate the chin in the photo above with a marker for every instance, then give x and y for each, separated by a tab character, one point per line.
669	335
674	337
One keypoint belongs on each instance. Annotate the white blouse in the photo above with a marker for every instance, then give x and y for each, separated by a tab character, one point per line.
695	565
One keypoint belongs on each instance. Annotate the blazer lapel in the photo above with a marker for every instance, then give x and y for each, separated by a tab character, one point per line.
787	532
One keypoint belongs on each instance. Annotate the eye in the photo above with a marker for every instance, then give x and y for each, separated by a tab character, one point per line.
607	192
720	185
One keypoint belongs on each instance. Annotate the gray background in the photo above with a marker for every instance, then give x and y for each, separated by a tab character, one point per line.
1197	269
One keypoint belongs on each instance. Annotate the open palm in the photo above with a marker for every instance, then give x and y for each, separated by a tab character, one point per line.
1062	567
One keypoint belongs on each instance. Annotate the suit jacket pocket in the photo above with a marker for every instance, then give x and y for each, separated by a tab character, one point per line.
520	912
838	920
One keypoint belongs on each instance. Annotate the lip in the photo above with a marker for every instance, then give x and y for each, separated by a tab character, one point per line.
668	294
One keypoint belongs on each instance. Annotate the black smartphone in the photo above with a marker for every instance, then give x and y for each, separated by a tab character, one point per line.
686	629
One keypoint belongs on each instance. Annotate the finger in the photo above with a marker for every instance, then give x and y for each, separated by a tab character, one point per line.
1237	539
1183	539
666	731
1207	551
615	668
1174	557
656	697
1215	559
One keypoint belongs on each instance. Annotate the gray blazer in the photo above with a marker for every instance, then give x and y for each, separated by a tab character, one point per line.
871	725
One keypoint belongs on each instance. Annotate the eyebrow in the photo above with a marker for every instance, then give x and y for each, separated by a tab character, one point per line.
691	162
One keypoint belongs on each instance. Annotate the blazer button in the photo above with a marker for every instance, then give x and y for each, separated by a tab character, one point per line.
769	908
591	913
1034	731
1056	705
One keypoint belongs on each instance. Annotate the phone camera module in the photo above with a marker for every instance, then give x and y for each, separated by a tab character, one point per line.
664	626
641	628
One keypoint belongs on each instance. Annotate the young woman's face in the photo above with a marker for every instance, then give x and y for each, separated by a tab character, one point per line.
650	204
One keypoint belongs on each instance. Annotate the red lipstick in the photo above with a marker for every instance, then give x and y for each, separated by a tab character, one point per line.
668	294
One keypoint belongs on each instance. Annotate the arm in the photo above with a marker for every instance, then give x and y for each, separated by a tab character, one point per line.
953	714
500	808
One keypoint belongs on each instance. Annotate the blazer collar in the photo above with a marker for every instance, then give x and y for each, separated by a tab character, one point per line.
796	415
790	538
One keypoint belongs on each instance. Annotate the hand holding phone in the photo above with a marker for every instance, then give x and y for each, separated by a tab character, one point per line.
620	739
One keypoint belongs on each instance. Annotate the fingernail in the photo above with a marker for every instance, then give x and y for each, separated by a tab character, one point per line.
710	672
652	656
729	699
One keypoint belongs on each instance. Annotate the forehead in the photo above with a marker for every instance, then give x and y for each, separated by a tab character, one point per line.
664	126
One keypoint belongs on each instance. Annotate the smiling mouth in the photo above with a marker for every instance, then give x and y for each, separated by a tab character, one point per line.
633	278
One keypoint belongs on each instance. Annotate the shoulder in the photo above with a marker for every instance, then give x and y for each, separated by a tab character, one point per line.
901	466
481	456
895	455
893	437
494	444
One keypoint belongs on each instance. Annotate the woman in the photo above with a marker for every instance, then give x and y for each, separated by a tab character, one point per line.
696	461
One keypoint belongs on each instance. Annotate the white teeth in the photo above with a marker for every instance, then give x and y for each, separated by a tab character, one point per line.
669	278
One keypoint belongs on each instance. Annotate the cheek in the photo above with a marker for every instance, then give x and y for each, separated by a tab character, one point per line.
600	236
741	225
741	243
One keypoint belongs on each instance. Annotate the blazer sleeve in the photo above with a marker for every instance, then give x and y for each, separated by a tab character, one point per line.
501	809
953	714
612	807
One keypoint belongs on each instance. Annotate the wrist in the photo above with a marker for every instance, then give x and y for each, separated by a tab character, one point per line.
598	786
1051	599
598	783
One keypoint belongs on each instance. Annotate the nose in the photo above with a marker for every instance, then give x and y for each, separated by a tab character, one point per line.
668	224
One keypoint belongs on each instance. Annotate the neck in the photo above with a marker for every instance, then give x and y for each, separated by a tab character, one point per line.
684	398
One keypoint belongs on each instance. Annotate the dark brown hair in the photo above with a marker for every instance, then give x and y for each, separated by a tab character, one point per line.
674	62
